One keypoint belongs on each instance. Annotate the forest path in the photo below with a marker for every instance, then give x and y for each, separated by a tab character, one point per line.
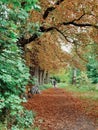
60	110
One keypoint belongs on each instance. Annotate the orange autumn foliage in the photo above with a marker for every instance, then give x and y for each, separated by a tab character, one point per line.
74	22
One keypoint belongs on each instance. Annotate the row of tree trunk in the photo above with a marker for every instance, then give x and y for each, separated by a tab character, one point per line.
35	70
41	75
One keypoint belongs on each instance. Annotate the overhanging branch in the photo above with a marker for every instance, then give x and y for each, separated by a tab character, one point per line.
22	41
50	9
54	28
79	24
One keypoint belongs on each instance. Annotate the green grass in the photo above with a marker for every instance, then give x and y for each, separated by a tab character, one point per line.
84	92
45	86
61	85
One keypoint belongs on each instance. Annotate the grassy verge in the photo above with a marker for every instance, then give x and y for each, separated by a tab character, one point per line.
84	91
45	86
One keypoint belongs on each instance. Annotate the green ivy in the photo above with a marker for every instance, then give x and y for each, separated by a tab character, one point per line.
14	74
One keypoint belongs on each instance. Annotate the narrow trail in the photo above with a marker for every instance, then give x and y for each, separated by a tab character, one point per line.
59	110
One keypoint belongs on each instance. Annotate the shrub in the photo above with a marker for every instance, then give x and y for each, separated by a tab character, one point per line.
23	119
57	78
14	75
92	69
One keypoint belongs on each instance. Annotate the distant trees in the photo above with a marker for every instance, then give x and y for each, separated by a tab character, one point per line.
92	69
92	65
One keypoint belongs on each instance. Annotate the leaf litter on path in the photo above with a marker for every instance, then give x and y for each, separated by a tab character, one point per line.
59	110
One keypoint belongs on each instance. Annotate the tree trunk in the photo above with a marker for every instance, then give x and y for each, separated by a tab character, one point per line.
40	77
74	75
47	78
36	73
43	76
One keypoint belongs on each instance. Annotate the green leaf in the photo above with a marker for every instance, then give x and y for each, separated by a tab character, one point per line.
37	7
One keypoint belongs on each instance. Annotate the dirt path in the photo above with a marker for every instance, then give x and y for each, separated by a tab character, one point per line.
59	110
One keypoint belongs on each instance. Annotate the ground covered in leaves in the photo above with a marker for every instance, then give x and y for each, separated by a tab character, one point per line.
59	110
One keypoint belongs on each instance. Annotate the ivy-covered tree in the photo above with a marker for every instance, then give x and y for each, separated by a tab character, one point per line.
14	74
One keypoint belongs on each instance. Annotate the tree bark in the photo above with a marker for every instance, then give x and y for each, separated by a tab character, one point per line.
47	77
36	73
74	75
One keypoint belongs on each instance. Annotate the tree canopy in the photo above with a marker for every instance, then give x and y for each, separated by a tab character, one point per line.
69	22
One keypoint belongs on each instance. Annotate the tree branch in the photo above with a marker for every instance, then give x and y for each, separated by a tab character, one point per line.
79	55
50	9
79	24
22	41
54	28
